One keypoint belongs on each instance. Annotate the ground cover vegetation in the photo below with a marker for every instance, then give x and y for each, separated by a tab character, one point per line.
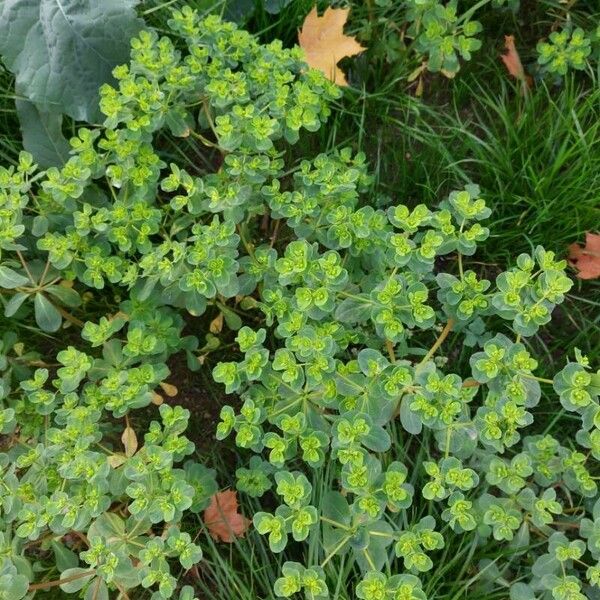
362	278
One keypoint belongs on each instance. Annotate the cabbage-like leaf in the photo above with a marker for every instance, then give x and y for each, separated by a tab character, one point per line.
61	51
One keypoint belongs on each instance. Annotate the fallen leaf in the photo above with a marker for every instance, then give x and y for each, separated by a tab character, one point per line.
116	460
157	399
586	259
324	42
512	61
169	389
222	518
119	315
129	440
216	325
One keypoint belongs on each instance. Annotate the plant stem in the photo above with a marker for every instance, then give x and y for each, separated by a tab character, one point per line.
149	11
275	233
469	13
204	140
56	582
470	383
26	268
335	551
68	316
445	332
43	277
390	349
335	523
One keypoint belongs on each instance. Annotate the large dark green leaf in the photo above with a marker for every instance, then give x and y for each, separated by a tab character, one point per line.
42	135
238	10
61	51
276	6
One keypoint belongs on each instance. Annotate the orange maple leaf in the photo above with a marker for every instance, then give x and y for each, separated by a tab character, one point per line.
512	61
324	42
586	259
222	518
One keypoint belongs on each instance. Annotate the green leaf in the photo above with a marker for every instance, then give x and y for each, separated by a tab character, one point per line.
46	314
187	593
375	553
335	507
179	123
42	134
117	532
410	420
10	279
65	558
233	320
238	10
67	296
77	584
521	591
13	305
39	225
62	52
97	590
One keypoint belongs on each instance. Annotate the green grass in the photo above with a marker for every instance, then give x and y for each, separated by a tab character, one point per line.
537	160
10	133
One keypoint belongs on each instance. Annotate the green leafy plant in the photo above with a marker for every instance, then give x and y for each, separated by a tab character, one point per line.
75	481
60	54
424	35
83	490
565	50
441	35
347	303
420	36
341	310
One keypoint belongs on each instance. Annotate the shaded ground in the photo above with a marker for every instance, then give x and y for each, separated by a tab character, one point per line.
202	399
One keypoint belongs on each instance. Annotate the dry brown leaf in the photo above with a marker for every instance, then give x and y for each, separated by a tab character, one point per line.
511	58
216	325
129	440
116	460
169	389
222	518
512	62
586	259
324	42
119	315
157	399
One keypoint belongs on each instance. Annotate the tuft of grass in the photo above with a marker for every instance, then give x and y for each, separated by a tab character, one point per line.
537	160
10	134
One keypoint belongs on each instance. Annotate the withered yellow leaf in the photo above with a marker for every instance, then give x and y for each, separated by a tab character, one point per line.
169	389
157	399
324	42
116	460
216	325
130	442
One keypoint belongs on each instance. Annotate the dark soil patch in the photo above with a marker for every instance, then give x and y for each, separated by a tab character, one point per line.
200	398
